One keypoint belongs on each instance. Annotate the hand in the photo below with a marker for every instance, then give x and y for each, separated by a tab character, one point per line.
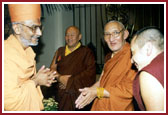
52	75
64	79
86	97
61	86
44	77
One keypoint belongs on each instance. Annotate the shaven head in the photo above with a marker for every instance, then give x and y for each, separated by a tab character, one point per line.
114	21
149	34
73	27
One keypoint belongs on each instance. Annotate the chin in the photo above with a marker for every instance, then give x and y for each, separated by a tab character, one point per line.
33	44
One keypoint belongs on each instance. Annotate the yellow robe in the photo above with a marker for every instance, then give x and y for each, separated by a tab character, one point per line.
20	92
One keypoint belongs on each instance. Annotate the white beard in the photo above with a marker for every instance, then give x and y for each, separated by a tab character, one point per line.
28	42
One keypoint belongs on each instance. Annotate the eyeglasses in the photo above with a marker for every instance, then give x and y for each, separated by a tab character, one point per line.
115	34
34	28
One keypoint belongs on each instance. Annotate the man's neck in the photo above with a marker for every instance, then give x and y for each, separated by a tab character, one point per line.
74	47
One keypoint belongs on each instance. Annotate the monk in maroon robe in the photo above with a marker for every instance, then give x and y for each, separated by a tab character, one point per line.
148	55
76	67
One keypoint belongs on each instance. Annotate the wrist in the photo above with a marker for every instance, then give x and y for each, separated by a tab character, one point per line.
100	92
59	78
35	81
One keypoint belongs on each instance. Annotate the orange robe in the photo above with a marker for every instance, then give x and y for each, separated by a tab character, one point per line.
20	92
117	80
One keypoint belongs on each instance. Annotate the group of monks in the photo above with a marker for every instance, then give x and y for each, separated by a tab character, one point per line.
72	72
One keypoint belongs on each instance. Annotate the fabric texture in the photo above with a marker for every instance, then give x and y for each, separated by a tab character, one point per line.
155	68
81	65
68	51
20	92
117	80
22	12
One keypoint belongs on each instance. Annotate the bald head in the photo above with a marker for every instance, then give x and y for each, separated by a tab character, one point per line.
114	22
73	28
149	34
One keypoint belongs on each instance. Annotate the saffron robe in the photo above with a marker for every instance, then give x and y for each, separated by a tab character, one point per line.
20	92
117	80
81	65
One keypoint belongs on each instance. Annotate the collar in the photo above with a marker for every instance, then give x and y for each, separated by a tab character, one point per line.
68	51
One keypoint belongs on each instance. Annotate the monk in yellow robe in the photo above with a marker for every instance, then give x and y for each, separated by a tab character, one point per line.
113	91
21	83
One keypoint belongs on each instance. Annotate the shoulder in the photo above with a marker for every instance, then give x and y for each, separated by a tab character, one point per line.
152	91
147	79
85	49
108	56
9	50
61	48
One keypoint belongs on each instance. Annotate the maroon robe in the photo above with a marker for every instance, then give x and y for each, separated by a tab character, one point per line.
81	65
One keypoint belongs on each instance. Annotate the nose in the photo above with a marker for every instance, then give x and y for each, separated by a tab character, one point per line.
111	37
69	37
38	32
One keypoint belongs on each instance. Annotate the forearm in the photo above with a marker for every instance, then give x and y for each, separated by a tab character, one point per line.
97	84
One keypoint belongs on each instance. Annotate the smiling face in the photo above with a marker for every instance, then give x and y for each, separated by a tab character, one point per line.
139	55
27	32
115	35
72	37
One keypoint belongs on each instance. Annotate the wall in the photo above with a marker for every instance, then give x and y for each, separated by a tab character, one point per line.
53	35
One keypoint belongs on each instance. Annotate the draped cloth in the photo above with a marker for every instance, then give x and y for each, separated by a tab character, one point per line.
20	92
81	65
117	80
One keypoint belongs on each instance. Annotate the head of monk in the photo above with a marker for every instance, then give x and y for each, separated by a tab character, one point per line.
72	37
146	44
115	35
26	23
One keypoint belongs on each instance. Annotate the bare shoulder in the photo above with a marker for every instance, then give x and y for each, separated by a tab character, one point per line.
152	92
148	79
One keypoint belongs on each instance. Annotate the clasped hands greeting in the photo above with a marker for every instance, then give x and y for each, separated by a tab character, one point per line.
45	77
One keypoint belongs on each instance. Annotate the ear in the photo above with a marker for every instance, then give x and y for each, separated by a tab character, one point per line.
16	29
126	33
149	47
80	36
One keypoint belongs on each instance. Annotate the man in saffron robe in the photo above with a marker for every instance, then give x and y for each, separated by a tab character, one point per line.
113	91
75	64
21	82
148	55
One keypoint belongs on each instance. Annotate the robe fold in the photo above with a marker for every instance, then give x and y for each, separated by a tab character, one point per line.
117	80
81	65
20	92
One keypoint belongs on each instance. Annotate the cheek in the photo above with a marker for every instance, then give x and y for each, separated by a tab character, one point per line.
106	41
66	38
135	57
